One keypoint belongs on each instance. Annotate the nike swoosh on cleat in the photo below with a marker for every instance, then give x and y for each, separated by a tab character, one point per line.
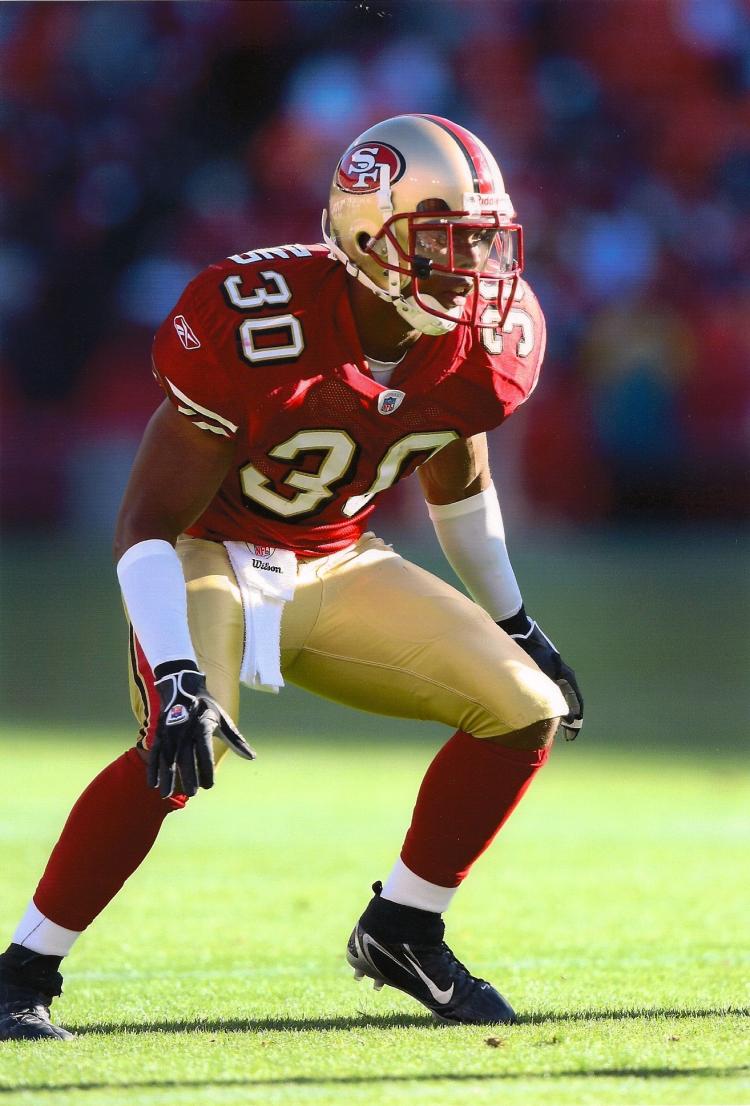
411	966
369	942
443	997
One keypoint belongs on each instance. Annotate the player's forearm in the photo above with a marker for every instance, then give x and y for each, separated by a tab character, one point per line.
472	536
153	589
465	512
151	578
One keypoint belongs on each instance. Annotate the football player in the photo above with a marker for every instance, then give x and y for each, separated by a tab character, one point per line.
300	382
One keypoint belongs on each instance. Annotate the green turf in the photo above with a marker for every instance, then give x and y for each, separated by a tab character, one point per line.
612	912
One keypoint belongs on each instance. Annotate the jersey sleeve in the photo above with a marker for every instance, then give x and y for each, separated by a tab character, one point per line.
187	366
515	357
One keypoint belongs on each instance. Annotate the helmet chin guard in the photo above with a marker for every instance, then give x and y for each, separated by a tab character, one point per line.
427	322
418	205
424	321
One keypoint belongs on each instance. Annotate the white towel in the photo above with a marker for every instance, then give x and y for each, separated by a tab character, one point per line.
266	577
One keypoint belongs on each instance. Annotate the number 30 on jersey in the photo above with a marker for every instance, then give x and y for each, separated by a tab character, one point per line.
339	450
312	490
256	334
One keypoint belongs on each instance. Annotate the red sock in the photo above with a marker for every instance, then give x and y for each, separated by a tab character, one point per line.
469	791
108	833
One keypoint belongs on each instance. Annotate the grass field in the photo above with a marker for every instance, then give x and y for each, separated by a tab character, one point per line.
612	912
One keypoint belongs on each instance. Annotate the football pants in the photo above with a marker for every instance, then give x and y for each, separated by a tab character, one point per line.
368	629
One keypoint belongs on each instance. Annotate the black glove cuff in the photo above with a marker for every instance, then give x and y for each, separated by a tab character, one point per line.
171	668
518	623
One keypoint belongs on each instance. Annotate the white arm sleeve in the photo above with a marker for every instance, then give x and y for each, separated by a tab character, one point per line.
153	588
472	536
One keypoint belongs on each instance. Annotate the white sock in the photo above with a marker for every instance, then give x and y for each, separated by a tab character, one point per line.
404	887
39	934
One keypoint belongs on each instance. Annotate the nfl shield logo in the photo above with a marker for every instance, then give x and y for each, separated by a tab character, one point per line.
390	400
263	551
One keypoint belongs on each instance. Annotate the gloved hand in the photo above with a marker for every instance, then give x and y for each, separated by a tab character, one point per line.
526	633
181	757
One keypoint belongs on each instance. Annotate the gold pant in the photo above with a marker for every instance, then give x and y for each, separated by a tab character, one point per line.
368	629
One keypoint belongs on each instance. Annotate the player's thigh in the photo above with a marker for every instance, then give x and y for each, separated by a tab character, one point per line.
393	639
216	628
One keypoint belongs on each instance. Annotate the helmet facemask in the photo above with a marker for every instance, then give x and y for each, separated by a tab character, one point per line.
434	251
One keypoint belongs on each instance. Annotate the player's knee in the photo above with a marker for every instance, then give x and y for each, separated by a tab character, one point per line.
539	735
520	712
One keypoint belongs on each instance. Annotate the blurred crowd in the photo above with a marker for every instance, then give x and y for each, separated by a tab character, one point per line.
143	140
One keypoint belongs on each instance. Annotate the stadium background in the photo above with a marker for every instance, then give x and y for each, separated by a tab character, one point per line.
140	141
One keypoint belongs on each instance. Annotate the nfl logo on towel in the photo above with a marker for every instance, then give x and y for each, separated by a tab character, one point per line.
263	551
389	401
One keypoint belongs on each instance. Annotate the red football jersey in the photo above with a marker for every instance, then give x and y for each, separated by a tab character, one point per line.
262	348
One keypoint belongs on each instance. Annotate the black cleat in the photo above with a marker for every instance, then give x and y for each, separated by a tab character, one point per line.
28	984
24	1016
422	965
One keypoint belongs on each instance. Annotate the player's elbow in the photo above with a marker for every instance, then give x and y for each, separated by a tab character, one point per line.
458	471
134	526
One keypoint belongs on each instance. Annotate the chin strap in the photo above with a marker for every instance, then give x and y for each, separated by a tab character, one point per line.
353	270
425	321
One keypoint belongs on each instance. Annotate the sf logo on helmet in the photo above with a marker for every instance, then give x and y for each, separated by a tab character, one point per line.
359	169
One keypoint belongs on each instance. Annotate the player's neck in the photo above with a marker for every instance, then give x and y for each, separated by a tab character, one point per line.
383	334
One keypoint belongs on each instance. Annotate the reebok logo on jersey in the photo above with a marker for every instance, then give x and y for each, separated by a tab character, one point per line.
185	334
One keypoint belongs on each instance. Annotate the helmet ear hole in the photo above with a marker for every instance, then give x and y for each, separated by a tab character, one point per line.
362	240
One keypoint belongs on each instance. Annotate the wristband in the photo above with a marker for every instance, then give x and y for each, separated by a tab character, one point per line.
472	537
153	588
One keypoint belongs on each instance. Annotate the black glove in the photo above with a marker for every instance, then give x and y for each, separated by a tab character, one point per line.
533	641
181	758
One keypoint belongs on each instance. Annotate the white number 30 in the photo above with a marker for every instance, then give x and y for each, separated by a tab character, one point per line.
274	290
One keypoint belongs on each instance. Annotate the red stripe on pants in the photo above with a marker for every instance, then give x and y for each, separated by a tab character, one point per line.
144	678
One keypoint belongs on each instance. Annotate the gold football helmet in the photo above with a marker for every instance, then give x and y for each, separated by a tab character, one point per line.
417	198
